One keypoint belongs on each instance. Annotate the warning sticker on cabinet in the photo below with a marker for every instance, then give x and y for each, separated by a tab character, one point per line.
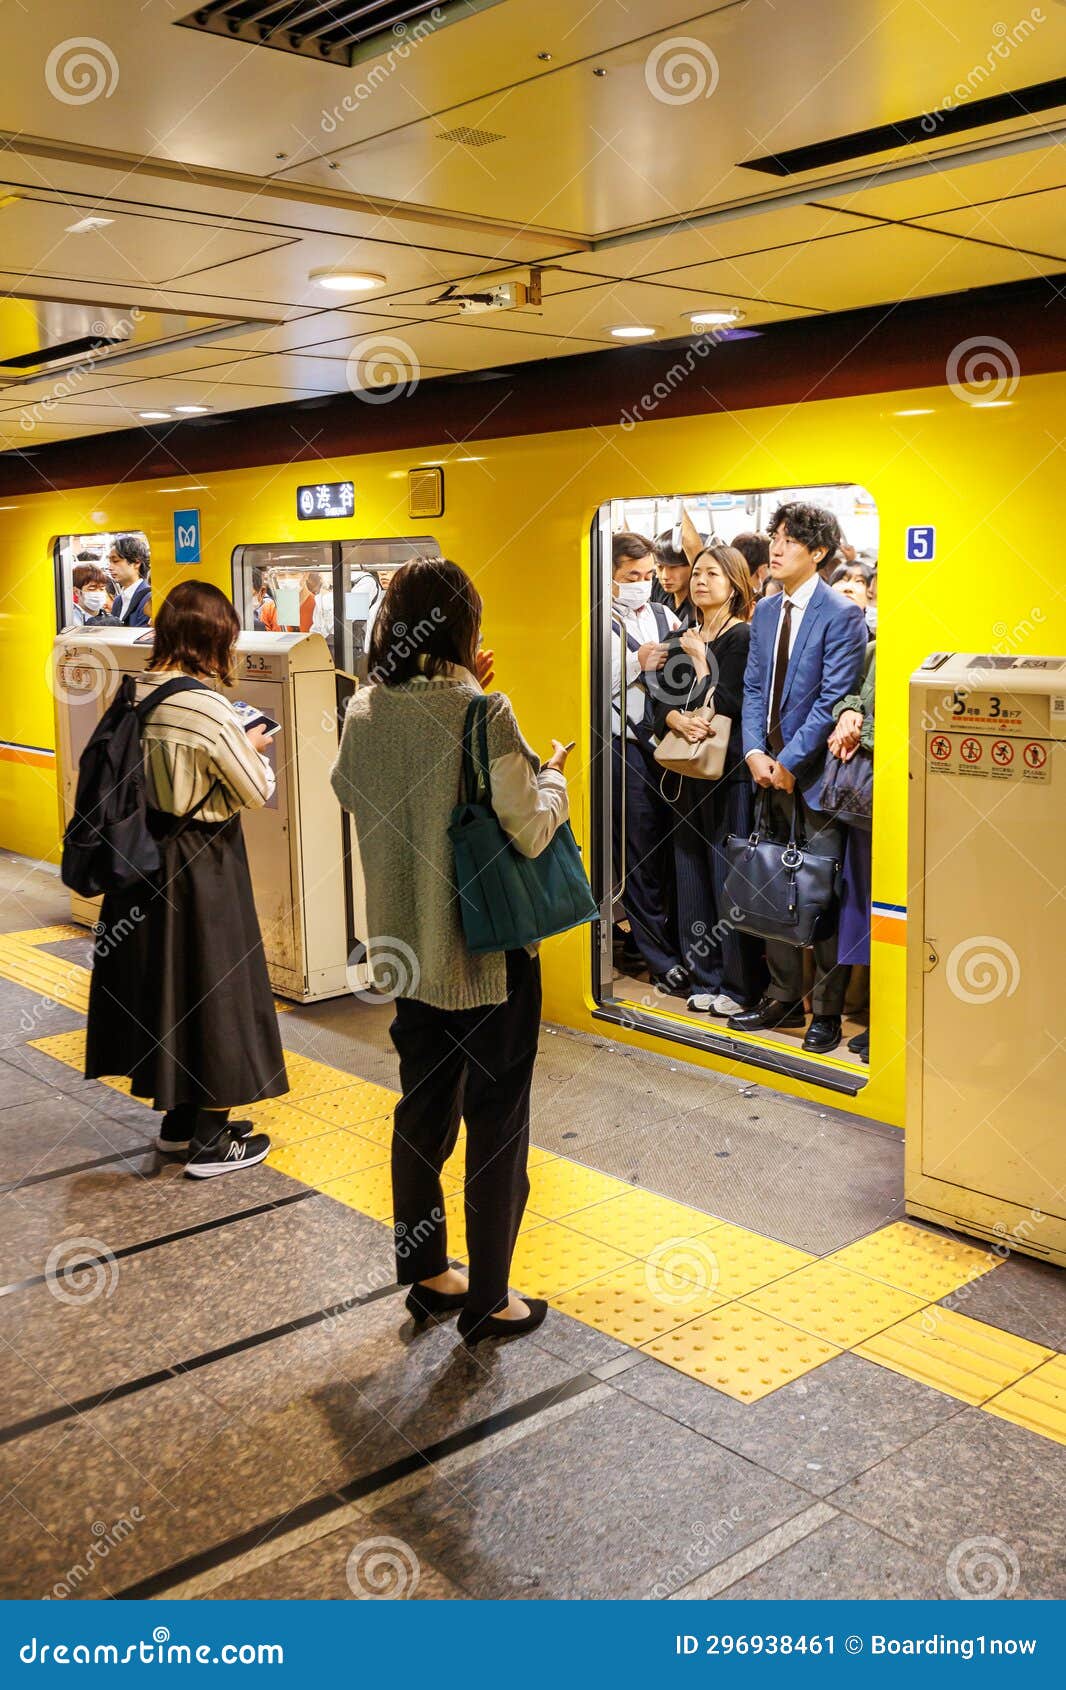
989	757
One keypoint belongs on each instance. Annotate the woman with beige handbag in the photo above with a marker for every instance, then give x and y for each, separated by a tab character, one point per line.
696	722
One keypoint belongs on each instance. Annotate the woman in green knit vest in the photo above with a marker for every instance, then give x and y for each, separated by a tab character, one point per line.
466	1027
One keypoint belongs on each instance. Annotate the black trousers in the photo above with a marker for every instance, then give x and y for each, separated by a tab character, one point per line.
825	838
718	958
646	862
477	1064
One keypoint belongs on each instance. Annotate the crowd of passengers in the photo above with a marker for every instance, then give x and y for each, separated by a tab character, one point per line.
180	998
776	633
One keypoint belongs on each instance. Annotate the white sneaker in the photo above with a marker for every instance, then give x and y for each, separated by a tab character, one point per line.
725	1005
700	1003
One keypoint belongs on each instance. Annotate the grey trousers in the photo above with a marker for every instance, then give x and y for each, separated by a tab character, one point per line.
825	838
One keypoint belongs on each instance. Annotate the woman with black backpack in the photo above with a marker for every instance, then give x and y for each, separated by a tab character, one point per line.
180	1001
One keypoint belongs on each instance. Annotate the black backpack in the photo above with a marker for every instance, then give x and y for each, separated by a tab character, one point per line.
107	846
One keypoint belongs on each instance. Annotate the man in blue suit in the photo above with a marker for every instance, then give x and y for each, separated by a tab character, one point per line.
806	653
129	564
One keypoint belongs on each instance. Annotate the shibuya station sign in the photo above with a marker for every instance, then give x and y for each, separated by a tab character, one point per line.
325	499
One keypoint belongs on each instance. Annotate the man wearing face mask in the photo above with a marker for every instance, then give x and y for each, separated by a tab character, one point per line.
90	611
642	843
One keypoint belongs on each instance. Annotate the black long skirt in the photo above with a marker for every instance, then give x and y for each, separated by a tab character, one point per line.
180	1002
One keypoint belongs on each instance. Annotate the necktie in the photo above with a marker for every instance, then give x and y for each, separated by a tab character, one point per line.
775	737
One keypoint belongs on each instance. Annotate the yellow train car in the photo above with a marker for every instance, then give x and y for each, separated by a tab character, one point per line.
522	514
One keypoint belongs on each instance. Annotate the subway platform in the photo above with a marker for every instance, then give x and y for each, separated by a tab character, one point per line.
757	1378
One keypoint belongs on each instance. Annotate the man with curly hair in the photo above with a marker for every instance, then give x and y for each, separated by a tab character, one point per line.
806	652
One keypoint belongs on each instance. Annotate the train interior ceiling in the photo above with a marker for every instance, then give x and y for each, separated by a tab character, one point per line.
293	302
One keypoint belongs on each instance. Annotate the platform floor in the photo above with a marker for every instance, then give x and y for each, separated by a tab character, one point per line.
756	1380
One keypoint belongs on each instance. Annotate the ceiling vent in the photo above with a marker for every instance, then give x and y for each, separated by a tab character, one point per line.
337	32
467	137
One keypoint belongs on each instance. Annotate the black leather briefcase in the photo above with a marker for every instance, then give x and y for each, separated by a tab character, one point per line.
779	891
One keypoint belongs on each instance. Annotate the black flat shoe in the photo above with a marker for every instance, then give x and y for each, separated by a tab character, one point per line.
426	1304
473	1329
860	1044
768	1012
823	1034
675	981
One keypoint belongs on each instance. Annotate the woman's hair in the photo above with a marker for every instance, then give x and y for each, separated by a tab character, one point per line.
430	617
734	566
196	630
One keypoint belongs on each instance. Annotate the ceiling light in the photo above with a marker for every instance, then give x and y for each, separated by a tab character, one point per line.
919	411
347	281
632	331
86	225
193	410
719	318
154	416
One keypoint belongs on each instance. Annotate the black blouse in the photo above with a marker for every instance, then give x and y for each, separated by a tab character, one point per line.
674	687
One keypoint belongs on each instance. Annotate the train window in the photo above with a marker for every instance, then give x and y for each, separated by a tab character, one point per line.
102	578
675	581
329	587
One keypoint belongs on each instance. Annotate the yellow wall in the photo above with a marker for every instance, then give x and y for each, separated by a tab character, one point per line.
518	517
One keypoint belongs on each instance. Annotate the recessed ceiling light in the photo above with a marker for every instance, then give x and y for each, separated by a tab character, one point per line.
154	416
918	411
347	281
193	410
85	225
719	318
631	331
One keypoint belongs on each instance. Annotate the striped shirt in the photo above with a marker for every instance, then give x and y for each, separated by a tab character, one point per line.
193	742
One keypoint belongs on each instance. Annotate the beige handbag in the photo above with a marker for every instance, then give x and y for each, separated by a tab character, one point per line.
704	760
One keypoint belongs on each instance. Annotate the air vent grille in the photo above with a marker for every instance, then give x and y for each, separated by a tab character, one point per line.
425	491
338	32
468	137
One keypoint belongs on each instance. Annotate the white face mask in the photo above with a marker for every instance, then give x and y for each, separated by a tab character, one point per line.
633	594
94	601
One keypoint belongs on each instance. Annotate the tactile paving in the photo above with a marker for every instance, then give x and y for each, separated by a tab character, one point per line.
551	1259
731	1261
742	1352
923	1263
964	1358
349	1104
51	976
49	935
455	1214
559	1187
329	1156
285	1124
64	1047
832	1303
639	1221
308	1078
1037	1402
370	1190
634	1304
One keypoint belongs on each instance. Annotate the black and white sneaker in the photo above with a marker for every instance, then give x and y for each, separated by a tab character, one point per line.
177	1145
227	1154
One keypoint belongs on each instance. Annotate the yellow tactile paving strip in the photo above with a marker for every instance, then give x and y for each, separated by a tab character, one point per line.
55	979
741	1313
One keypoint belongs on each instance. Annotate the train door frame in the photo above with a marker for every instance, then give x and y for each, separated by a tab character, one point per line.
59	585
660	1024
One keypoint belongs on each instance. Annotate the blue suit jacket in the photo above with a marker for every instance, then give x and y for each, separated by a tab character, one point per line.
137	610
825	666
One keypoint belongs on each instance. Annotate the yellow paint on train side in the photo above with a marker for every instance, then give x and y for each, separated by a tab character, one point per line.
518	516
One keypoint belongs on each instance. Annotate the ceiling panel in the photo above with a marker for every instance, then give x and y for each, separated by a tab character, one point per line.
456	345
591	311
1036	222
304	328
951	187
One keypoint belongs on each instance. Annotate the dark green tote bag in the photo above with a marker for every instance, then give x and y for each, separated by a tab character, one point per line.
507	900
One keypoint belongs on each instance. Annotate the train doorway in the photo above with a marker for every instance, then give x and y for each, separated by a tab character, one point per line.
664	959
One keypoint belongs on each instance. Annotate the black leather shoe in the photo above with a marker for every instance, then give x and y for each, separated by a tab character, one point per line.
423	1303
823	1034
860	1044
473	1328
768	1012
675	980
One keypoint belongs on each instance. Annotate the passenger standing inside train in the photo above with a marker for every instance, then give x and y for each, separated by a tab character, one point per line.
312	588
807	648
856	582
708	659
854	731
93	598
756	549
129	563
642	852
179	999
673	569
466	1027
264	610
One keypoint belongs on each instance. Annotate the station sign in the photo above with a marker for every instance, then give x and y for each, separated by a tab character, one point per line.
325	499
